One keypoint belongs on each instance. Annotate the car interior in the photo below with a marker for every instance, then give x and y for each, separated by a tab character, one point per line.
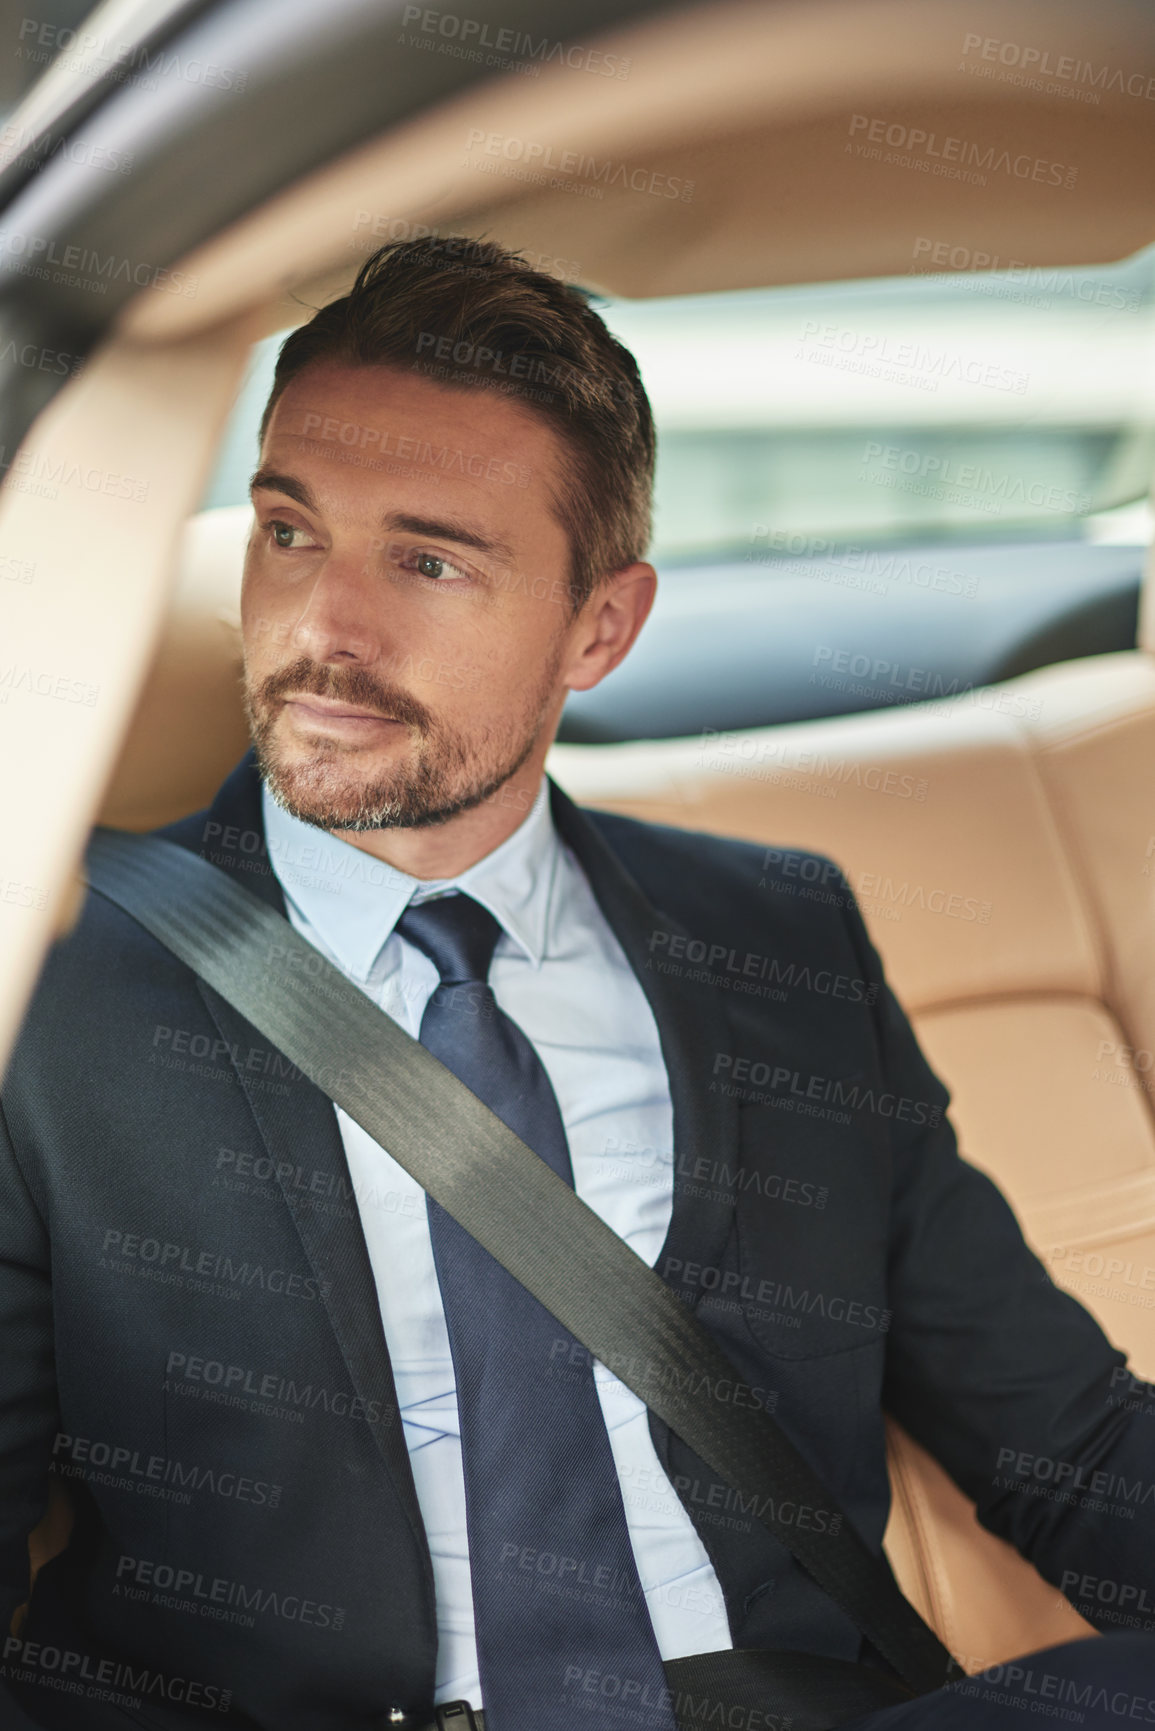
995	818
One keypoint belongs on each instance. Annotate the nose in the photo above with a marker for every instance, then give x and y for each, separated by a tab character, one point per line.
336	622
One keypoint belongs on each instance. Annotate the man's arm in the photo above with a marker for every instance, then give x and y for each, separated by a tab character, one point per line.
28	1406
994	1369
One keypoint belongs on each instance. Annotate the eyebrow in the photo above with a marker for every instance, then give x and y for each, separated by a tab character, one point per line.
400	522
289	485
449	529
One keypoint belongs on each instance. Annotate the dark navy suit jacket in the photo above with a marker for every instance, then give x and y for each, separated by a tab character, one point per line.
192	1337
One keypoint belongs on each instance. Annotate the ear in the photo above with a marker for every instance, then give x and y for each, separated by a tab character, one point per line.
603	632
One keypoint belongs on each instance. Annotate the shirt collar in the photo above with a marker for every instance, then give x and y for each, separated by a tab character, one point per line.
353	900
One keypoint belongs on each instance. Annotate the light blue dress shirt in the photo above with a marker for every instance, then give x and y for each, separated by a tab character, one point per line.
560	973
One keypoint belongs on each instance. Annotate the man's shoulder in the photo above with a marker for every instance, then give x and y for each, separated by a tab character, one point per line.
107	948
672	862
752	916
187	832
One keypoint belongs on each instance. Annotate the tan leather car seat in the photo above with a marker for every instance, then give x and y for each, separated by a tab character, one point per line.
1002	845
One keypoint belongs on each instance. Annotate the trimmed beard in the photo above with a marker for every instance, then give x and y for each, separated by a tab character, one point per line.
447	772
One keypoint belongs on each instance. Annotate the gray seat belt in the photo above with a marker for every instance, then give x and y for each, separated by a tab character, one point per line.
512	1203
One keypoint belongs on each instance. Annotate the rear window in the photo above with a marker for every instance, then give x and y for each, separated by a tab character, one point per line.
938	406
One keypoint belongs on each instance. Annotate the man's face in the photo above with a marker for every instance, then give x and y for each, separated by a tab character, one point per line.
408	638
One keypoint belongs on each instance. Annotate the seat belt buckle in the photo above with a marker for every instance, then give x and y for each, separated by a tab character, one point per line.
457	1716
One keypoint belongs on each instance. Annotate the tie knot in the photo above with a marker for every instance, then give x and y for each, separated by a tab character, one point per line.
457	934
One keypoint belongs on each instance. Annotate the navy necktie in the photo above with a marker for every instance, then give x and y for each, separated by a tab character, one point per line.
564	1637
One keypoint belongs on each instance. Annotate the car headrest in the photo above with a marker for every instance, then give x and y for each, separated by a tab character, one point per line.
189	728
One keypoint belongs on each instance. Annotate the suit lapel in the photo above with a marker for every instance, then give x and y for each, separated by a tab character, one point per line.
299	1129
691	1024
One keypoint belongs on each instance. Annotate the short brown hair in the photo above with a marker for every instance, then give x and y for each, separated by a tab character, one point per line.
471	314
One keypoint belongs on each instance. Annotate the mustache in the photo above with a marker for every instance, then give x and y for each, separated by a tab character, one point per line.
353	685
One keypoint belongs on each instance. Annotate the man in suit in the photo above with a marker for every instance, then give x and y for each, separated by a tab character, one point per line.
331	1468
